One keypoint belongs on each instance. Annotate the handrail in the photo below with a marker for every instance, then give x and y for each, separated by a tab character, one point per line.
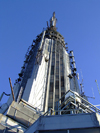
91	106
61	111
81	104
28	104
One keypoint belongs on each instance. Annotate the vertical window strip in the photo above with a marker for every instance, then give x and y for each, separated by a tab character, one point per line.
51	89
62	74
57	74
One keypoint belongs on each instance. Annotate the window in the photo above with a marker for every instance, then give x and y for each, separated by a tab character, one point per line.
51	100
62	89
56	92
51	86
50	105
62	83
57	96
57	64
54	48
53	55
52	78
53	61
57	84
61	61
57	71
56	99
51	96
52	70
57	77
62	78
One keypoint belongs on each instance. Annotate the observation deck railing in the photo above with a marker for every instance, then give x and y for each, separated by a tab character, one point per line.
78	103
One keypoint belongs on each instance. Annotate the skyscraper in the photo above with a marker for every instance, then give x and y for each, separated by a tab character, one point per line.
47	72
47	84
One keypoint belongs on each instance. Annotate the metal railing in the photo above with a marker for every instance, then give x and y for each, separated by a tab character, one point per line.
78	106
73	99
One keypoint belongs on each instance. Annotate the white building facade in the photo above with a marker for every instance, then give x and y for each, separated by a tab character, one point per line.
47	89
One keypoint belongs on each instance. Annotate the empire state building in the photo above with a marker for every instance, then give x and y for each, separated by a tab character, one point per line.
46	96
48	71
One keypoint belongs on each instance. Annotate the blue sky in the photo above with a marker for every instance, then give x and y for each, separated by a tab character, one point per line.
78	22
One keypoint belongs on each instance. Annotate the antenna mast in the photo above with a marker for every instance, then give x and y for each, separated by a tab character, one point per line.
97	86
81	84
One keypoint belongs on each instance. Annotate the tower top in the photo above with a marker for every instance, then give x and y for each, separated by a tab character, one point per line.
52	21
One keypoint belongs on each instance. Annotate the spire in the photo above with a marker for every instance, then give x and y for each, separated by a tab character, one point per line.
53	21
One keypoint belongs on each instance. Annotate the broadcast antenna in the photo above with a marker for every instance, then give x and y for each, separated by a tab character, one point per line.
97	86
82	90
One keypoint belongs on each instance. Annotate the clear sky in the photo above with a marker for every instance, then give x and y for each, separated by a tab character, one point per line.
79	23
